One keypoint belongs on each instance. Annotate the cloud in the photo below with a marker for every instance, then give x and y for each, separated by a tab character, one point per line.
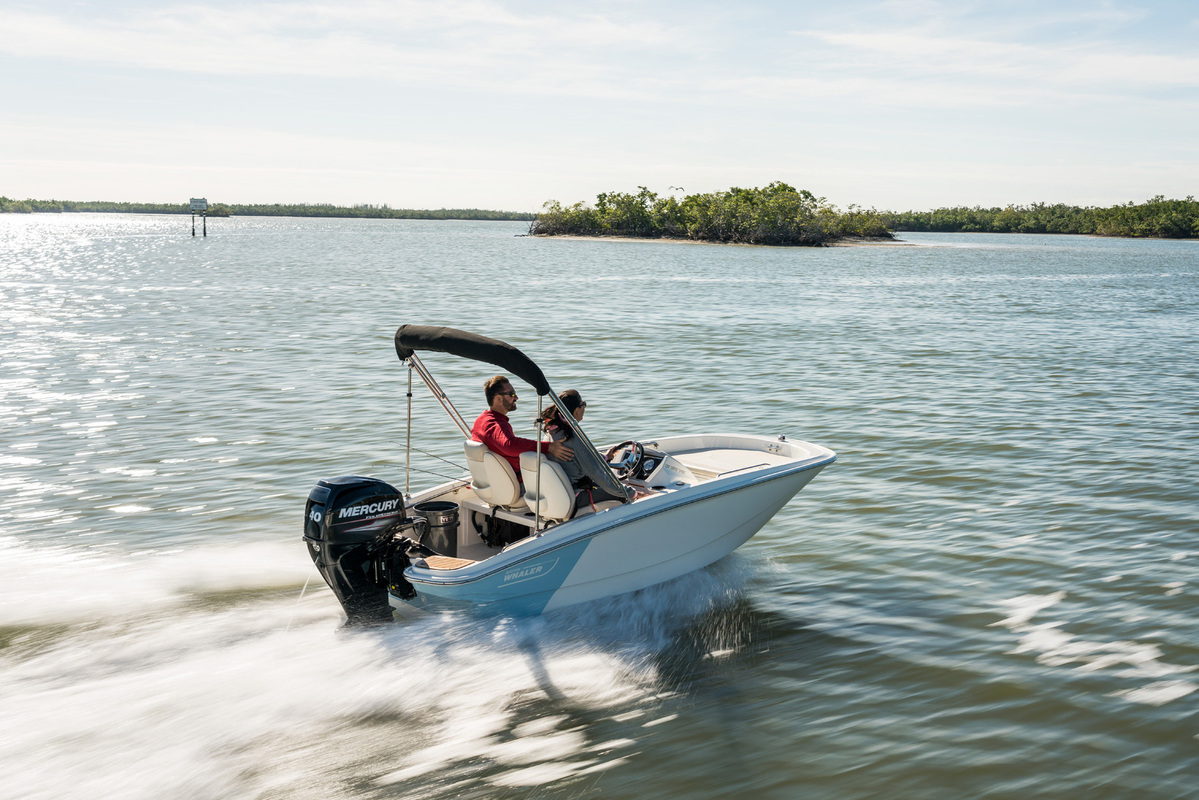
1092	64
463	42
963	59
894	52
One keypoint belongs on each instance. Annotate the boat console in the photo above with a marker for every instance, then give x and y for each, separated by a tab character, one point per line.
644	467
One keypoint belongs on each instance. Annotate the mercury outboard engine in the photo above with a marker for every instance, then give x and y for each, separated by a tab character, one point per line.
353	527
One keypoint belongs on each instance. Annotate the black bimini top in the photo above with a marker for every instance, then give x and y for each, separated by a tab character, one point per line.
410	338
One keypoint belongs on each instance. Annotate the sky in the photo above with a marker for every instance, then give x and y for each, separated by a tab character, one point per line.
507	104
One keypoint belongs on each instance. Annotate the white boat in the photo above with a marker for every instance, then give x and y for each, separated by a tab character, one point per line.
688	501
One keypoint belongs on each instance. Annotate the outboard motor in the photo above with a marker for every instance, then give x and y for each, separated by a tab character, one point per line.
353	528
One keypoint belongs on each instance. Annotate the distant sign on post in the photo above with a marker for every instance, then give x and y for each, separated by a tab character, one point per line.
199	204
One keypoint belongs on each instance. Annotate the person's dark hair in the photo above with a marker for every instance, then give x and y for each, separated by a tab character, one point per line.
572	400
493	386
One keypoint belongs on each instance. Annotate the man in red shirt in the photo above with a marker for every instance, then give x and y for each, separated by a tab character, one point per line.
493	429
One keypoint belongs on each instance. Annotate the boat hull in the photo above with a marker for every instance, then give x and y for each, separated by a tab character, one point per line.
620	550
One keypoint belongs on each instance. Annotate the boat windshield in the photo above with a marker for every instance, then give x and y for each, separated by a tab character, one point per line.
593	464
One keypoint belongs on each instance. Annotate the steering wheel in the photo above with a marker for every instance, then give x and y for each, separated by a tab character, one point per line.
630	453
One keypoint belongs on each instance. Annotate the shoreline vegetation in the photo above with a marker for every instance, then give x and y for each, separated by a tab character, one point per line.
364	211
782	215
777	214
1156	218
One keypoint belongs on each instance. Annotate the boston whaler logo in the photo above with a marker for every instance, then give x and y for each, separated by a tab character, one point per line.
528	572
350	512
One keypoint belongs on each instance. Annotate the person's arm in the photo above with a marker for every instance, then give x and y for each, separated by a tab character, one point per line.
506	443
559	451
500	439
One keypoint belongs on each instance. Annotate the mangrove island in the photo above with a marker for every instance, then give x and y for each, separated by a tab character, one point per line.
779	214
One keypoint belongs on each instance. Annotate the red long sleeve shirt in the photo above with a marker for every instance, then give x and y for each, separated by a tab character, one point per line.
495	431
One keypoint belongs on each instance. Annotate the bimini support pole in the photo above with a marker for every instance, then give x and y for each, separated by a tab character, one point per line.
537	478
408	446
428	380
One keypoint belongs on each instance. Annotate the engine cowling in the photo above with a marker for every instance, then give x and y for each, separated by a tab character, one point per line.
351	527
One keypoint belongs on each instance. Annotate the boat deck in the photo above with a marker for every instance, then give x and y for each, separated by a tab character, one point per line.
710	464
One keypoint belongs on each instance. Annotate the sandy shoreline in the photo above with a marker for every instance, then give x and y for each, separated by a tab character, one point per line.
838	243
871	243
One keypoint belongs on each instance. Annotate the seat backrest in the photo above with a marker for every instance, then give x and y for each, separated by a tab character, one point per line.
557	499
491	476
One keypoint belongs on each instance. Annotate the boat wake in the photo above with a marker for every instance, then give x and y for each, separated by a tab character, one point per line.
165	675
55	584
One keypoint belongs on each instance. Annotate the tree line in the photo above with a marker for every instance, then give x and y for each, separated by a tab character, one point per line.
777	214
364	211
1157	217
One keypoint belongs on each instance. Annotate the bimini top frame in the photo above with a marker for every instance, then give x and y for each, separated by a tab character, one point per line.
410	338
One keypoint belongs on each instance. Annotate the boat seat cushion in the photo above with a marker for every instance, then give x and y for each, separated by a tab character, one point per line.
492	477
557	499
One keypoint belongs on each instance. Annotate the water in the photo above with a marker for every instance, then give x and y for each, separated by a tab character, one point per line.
990	594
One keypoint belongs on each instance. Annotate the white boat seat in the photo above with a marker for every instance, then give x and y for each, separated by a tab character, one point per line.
557	498
492	477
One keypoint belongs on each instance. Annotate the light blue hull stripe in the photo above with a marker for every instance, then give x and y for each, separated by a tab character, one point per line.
523	588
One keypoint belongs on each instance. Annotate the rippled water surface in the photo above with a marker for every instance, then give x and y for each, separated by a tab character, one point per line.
991	594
